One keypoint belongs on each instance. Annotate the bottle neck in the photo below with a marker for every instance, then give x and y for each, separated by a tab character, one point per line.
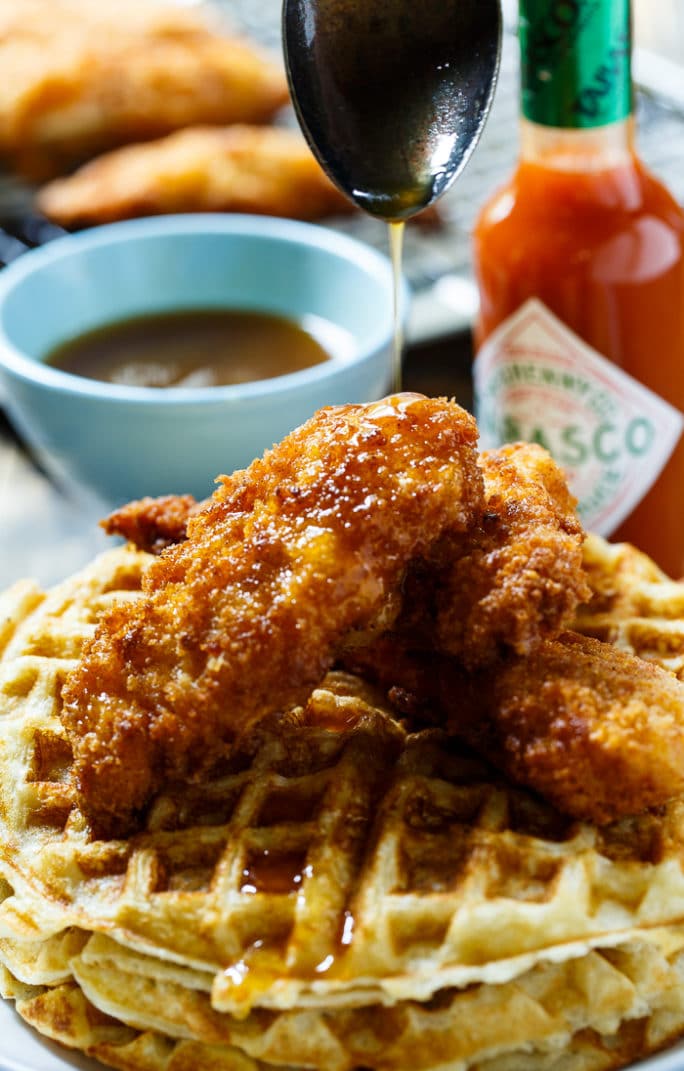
576	63
590	150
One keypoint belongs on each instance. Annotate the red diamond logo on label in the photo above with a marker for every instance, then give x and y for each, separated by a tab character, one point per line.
536	380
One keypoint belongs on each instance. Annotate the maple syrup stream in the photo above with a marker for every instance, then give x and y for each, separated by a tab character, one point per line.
396	237
392	97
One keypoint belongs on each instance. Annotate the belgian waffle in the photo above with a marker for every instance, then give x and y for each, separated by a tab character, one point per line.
596	1012
634	605
342	893
543	1008
63	1014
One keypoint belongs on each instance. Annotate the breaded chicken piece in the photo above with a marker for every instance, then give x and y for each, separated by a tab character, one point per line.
306	547
522	575
595	730
517	576
262	170
80	77
153	524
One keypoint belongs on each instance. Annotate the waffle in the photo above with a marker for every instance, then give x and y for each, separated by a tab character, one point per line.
63	1014
543	1007
337	860
602	1010
634	604
342	893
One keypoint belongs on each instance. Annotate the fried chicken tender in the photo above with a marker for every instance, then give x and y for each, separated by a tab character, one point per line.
516	577
263	170
153	524
595	730
306	547
83	76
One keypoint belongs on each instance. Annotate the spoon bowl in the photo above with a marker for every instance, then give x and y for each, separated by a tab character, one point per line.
392	95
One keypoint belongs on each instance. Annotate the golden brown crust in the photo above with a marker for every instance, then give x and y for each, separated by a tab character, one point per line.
596	731
516	577
241	168
291	556
152	524
522	575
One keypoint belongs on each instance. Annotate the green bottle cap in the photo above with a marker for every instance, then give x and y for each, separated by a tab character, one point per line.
575	62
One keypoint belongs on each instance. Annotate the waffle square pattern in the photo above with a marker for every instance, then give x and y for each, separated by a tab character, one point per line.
343	893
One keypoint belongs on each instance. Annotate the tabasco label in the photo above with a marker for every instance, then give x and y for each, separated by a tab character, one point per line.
537	381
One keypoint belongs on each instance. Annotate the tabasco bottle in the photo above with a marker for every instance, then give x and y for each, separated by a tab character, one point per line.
580	266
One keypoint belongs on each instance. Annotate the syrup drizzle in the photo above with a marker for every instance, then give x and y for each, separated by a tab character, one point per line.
279	873
265	964
396	239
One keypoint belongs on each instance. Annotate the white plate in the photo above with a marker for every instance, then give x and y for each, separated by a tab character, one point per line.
671	1060
21	1049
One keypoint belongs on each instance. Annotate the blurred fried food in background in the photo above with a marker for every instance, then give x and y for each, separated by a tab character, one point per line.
128	109
264	170
83	76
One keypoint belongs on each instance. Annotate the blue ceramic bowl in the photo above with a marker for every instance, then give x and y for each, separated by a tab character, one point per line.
120	442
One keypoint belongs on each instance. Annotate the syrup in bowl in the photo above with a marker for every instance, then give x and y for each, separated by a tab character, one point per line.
201	348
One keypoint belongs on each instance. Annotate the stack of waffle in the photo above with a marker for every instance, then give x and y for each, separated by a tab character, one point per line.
634	604
343	893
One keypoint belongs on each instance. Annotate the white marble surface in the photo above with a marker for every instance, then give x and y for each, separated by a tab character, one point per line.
44	534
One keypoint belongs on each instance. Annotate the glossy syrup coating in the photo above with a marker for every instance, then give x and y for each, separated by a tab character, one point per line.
290	559
514	577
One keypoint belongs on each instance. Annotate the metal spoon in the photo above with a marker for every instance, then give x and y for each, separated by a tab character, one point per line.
392	95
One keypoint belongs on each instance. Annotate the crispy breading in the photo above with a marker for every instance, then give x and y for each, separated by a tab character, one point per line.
523	574
83	76
515	578
291	557
263	170
596	731
152	524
